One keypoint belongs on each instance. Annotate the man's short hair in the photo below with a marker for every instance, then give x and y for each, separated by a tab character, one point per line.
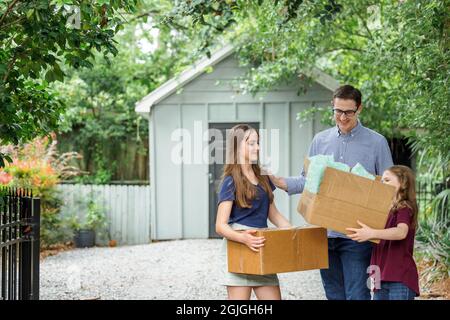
348	92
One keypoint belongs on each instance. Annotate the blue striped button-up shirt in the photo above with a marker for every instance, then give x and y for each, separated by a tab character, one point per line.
362	145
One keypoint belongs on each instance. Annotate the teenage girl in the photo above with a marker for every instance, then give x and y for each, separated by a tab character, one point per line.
245	202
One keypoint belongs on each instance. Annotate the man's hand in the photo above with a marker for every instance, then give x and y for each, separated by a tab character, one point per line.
279	182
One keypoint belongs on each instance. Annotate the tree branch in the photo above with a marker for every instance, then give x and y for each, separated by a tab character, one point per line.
351	32
344	48
12	23
170	21
12	62
145	14
8	10
365	25
10	66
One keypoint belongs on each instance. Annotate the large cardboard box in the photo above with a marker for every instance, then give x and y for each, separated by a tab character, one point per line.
285	250
344	198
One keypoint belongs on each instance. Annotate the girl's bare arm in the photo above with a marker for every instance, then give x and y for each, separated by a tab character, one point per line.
366	233
222	228
277	218
396	233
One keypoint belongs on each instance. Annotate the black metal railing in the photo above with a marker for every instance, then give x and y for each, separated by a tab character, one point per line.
427	191
19	244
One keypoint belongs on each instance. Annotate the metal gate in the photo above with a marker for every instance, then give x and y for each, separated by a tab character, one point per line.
19	244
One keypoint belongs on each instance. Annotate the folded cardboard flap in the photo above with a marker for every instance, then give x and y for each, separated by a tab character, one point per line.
285	250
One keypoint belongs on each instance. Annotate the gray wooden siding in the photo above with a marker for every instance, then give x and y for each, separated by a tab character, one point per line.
181	191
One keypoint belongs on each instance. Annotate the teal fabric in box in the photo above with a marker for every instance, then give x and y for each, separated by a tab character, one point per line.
359	170
317	167
316	170
339	166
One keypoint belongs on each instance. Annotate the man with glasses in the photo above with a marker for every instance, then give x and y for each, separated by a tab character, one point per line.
349	142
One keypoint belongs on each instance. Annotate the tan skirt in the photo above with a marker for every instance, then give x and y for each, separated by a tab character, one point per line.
243	280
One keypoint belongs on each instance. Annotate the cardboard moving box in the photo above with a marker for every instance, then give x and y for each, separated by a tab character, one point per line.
285	250
344	198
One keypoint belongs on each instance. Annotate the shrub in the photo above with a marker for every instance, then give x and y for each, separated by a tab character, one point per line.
37	166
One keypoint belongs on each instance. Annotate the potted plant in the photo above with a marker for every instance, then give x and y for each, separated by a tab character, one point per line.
85	229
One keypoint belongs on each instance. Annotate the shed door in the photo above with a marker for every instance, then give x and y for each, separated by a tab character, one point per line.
216	170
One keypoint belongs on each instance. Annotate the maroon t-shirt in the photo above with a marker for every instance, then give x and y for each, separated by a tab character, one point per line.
395	257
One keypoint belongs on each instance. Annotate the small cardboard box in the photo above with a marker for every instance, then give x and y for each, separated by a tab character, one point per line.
344	198
285	250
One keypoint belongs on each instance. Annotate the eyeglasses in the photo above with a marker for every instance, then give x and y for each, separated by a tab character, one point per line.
348	113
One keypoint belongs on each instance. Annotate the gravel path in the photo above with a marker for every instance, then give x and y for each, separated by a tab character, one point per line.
184	269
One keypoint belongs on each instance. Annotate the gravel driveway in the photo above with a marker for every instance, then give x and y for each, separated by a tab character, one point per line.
183	269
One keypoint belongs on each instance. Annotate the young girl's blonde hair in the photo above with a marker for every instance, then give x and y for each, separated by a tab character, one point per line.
406	195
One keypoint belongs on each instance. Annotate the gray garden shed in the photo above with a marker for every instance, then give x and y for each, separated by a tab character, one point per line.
183	198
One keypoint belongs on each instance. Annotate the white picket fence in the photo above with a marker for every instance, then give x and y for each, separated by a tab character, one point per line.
127	208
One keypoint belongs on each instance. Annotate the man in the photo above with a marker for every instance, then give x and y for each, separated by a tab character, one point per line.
349	142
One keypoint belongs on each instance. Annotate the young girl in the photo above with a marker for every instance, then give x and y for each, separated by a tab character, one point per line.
394	254
245	203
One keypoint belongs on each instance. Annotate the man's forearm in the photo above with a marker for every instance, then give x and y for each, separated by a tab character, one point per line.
294	185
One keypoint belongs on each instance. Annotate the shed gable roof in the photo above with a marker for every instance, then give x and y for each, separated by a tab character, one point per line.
171	86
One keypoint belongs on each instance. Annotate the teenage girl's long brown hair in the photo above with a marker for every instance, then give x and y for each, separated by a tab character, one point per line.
245	190
406	195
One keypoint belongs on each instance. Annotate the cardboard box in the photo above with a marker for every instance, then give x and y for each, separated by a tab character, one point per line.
285	250
344	198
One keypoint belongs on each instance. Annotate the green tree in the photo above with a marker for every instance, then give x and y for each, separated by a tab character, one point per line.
397	52
100	121
36	39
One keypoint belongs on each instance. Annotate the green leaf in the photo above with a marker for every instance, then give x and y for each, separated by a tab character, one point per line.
30	13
